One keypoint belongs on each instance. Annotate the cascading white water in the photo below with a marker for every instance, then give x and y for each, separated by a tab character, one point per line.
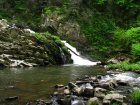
76	57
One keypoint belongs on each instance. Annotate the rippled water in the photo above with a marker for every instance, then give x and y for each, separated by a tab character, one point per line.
36	83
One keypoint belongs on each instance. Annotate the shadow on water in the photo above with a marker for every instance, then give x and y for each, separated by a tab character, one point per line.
30	84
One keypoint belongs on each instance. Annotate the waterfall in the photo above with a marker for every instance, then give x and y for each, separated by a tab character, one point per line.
63	58
77	58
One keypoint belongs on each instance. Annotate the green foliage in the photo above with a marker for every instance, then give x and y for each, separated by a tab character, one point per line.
135	96
136	51
125	66
129	37
47	37
54	9
99	33
133	35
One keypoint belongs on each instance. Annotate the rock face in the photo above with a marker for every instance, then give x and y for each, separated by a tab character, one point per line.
23	49
69	30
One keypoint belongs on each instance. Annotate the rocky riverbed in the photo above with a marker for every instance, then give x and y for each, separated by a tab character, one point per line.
111	89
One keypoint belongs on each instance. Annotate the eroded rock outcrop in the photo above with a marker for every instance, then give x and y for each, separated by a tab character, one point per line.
19	47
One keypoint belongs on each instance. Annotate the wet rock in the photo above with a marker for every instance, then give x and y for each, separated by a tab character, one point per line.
94	79
93	101
72	85
75	88
77	91
55	93
113	97
100	92
66	100
77	102
109	84
99	77
67	92
59	86
113	61
3	24
122	83
83	82
87	90
10	87
12	98
40	102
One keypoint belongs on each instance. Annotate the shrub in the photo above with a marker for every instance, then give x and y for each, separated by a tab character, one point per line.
128	37
136	51
133	35
135	96
125	66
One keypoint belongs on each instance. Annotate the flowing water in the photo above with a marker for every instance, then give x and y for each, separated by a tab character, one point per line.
30	84
77	58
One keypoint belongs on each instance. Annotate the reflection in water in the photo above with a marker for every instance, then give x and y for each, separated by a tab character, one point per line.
36	83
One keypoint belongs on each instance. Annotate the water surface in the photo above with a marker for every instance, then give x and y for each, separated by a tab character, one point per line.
30	84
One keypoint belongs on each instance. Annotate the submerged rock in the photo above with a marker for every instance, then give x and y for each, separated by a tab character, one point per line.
12	98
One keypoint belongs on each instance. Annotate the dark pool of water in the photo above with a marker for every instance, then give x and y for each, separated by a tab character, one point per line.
30	84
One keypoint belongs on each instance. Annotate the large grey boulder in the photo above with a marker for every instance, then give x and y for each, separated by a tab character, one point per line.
113	97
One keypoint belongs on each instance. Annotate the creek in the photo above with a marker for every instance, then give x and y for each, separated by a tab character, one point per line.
30	84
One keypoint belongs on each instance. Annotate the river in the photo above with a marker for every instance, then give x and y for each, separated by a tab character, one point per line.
30	84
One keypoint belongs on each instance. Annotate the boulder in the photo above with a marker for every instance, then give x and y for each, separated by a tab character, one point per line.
87	90
93	101
3	24
113	97
100	92
67	92
59	86
108	84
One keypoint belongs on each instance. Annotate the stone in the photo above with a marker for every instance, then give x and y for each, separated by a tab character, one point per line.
93	101
77	102
3	24
100	92
12	98
94	79
87	90
113	97
77	91
67	92
59	86
109	84
122	83
113	61
72	85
